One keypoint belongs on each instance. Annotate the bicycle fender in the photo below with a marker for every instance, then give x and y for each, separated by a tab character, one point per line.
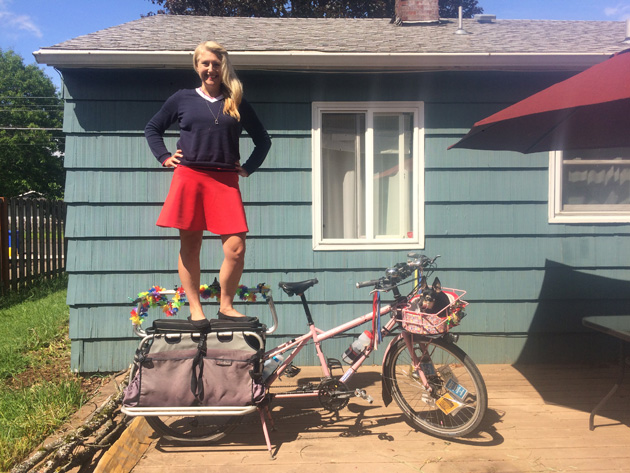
386	393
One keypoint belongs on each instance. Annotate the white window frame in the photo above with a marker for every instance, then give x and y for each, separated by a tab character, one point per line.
559	215
369	108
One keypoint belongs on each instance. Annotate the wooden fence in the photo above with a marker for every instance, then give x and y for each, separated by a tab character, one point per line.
32	242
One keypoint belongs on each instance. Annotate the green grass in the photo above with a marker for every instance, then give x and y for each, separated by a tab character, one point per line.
29	415
30	320
37	390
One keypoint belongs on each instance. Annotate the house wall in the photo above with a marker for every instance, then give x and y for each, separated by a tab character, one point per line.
529	282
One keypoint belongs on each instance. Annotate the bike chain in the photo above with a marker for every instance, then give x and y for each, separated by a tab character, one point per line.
295	388
292	416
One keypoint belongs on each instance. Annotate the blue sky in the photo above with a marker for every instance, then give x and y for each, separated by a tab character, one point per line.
27	25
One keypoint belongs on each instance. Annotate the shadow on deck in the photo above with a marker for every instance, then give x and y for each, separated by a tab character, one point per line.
537	420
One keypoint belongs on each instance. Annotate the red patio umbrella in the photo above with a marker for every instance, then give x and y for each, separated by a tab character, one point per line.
587	111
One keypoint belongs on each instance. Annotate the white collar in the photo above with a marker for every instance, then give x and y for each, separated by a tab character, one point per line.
209	99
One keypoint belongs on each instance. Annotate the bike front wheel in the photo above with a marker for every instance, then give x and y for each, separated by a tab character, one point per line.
457	400
190	429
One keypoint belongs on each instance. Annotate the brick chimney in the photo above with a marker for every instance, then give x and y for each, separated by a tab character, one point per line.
417	10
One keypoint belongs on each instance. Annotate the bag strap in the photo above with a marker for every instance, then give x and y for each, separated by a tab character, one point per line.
141	353
256	361
196	379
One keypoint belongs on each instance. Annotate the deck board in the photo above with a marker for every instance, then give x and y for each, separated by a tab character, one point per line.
537	421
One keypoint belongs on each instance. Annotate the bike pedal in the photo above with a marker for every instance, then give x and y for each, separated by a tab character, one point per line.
291	371
334	363
363	395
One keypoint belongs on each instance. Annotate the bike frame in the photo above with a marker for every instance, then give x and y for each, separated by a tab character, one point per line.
318	336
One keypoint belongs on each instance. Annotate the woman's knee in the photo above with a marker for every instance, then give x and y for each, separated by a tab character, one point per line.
190	242
234	247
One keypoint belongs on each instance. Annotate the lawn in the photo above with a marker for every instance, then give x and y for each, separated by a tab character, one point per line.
37	390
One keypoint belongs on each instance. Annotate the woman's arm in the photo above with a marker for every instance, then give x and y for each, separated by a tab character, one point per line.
157	126
258	134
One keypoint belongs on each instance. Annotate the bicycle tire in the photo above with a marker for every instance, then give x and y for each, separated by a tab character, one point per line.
418	405
190	429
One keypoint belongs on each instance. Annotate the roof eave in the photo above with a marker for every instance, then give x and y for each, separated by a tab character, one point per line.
313	60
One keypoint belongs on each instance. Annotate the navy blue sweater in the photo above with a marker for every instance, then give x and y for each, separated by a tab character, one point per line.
203	142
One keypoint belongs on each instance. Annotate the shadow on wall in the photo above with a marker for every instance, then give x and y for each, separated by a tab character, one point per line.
556	333
578	365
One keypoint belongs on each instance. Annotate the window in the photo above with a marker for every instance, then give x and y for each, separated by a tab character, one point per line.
368	175
589	186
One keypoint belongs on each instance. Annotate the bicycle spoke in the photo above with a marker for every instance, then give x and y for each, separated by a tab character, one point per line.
194	428
442	411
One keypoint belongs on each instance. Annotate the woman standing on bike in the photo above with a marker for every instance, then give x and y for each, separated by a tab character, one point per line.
204	192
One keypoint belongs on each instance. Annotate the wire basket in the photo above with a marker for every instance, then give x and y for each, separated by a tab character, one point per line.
423	323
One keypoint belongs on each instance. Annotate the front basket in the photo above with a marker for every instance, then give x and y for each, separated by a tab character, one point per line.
423	323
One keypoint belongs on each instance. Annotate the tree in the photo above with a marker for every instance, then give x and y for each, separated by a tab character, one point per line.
261	8
450	8
304	8
31	141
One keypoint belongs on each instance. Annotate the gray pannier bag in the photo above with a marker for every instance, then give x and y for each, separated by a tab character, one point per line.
184	369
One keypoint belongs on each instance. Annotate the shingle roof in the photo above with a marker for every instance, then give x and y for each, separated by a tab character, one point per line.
378	37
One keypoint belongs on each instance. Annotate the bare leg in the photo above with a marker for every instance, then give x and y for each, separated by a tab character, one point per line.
231	271
190	270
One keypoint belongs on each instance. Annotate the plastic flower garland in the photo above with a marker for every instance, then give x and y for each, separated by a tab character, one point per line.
211	291
456	313
243	292
249	294
153	298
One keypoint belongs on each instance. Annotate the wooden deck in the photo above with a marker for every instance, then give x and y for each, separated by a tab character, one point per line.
537	421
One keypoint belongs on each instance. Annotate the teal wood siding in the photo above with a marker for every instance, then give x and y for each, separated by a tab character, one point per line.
528	282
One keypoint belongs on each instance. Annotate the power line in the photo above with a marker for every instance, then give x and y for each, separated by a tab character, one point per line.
34	145
29	129
27	97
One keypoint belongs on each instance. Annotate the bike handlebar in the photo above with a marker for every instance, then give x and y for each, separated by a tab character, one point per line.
399	272
373	282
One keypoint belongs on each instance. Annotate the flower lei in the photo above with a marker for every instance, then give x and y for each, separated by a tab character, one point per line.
153	298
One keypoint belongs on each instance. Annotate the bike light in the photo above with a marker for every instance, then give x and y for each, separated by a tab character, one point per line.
453	337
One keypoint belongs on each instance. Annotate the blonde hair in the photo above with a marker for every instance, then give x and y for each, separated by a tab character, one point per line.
231	86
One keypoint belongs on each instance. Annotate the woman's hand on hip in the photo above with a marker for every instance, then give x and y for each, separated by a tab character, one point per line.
174	160
241	172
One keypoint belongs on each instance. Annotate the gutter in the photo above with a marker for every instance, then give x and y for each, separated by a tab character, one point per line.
313	60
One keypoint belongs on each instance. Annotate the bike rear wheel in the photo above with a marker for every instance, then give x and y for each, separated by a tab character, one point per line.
194	428
445	412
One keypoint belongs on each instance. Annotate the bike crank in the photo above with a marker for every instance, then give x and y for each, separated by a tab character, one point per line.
333	395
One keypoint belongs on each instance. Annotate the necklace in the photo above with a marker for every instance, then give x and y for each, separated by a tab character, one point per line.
216	117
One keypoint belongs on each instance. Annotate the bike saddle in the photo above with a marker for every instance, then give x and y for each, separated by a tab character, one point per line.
293	288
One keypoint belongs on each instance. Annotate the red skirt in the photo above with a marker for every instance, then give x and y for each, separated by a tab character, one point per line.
200	199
